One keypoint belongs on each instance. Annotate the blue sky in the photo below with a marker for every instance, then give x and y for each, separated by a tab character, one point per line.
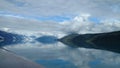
47	18
41	18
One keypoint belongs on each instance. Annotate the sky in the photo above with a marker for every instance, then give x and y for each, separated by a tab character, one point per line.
82	14
61	17
60	10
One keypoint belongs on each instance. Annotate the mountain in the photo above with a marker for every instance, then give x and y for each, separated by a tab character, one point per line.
105	41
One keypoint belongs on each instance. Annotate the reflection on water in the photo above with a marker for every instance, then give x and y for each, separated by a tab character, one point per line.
60	56
47	39
52	54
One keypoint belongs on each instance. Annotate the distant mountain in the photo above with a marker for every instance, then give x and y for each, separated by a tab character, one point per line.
9	38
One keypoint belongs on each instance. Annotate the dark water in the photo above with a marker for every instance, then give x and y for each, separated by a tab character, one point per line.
53	54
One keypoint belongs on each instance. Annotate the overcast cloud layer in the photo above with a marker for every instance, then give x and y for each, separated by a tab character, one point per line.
104	8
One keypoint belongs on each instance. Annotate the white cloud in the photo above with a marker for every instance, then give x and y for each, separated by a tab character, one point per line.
81	24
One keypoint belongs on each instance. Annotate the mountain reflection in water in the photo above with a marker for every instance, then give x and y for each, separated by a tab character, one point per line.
47	39
58	55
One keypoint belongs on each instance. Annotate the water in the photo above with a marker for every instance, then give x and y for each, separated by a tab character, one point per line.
58	55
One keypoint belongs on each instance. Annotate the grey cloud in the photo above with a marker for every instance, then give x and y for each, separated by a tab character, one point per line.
22	24
104	8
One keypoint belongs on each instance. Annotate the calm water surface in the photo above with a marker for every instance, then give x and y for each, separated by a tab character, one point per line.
58	55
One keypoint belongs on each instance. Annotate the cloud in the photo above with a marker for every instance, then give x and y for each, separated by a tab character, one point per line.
29	26
97	8
82	24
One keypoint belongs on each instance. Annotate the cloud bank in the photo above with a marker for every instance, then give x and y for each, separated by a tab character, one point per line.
80	24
